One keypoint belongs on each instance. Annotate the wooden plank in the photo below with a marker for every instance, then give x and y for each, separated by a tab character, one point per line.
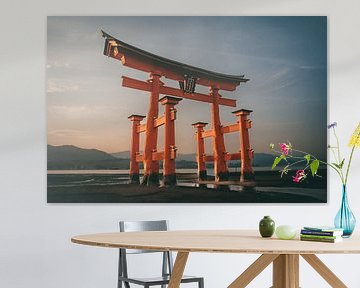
324	271
178	270
293	268
279	269
207	133
135	84
139	158
230	128
208	158
286	271
232	156
253	270
195	96
156	156
145	86
159	121
141	128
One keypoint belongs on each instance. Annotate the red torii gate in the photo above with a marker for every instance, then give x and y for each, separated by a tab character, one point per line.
188	76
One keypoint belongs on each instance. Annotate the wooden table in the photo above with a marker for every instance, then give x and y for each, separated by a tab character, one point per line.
284	254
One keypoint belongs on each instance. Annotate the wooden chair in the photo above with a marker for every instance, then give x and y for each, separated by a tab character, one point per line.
167	262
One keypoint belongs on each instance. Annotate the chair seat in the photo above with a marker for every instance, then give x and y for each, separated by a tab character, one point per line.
158	280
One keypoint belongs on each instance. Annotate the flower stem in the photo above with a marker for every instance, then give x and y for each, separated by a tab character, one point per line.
339	162
333	152
338	146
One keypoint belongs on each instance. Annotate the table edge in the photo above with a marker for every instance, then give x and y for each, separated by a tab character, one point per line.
205	250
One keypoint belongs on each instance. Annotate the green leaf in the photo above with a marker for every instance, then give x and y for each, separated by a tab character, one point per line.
342	164
277	161
336	165
272	146
314	166
339	166
307	157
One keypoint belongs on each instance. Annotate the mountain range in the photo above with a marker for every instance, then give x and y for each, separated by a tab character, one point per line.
68	157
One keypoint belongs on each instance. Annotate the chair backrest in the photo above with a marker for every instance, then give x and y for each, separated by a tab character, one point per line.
133	226
137	226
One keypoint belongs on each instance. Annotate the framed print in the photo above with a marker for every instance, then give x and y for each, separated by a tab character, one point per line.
185	109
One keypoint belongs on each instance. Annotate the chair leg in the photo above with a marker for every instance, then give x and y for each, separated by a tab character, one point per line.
201	283
120	270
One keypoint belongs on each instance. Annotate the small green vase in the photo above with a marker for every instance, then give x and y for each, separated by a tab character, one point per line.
267	227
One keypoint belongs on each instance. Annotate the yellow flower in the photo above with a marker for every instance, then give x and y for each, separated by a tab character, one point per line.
355	138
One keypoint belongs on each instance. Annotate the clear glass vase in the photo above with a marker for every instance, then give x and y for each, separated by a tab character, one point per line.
345	219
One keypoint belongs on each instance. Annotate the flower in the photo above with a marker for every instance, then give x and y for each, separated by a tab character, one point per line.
355	138
332	125
299	176
312	163
284	148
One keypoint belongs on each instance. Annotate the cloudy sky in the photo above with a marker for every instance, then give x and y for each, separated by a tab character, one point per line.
285	59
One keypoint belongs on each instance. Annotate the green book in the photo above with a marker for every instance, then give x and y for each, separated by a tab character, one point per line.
319	236
325	240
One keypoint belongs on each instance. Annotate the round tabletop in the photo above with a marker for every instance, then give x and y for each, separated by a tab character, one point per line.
217	241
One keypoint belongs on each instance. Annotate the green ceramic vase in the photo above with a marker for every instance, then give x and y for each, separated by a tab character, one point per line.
266	227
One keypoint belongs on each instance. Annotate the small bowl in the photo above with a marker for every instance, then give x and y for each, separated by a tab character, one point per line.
286	232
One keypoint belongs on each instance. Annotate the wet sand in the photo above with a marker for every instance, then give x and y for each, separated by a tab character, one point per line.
268	188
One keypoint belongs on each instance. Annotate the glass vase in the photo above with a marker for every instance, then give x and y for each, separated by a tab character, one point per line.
345	219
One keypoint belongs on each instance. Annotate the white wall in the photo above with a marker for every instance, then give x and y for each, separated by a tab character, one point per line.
35	248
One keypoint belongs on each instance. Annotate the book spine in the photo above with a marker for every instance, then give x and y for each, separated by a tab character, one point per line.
320	233
318	239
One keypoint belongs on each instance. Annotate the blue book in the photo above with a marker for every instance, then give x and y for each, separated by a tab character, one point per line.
322	231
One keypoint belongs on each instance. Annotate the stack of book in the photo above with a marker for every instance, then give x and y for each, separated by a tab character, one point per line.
321	234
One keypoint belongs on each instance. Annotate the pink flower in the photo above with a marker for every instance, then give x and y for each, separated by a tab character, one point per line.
284	148
299	176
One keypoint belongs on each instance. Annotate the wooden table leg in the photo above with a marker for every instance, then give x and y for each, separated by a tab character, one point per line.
324	271
178	269
286	271
253	270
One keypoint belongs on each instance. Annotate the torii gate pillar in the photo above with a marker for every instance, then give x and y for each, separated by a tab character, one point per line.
169	173
246	153
151	167
220	167
135	146
202	174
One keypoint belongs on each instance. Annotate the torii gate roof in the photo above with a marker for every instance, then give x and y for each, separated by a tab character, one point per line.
136	58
